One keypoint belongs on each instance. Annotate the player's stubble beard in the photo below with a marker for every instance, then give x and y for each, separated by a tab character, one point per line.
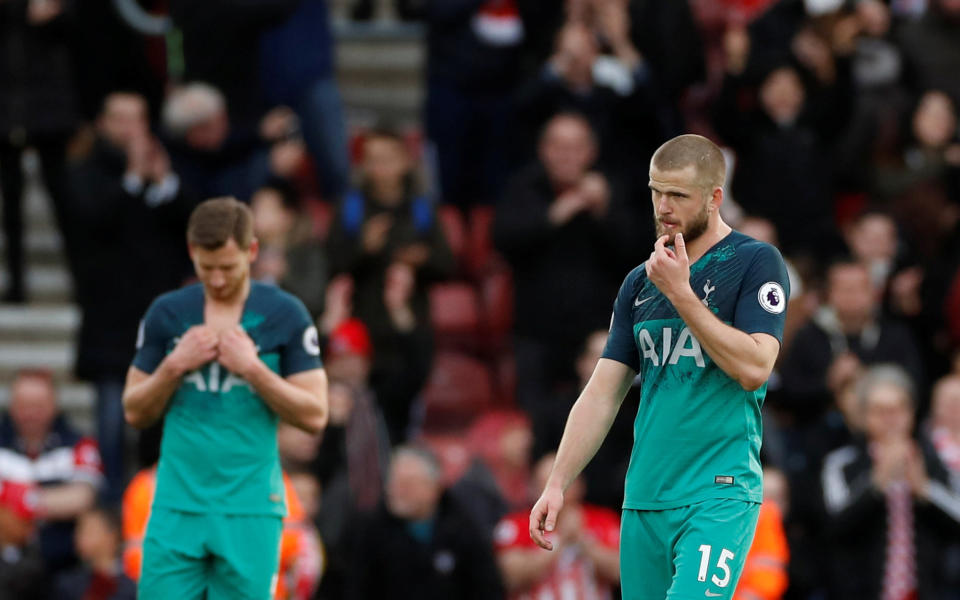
696	228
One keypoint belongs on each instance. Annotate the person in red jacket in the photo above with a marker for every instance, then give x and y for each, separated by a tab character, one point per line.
586	563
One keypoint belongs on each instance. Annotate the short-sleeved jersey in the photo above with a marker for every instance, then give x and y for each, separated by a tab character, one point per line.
697	432
219	450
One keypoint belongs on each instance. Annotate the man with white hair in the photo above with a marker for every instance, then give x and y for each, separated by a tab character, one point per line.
421	543
214	157
890	506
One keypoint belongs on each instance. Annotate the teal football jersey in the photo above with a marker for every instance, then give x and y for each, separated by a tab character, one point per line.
219	450
697	432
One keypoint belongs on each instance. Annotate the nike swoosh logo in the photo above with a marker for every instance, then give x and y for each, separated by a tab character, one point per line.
638	301
710	594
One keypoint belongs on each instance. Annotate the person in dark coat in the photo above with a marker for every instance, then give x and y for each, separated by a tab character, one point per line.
296	70
931	47
473	51
221	46
130	210
843	336
385	235
891	508
421	544
216	155
37	110
567	232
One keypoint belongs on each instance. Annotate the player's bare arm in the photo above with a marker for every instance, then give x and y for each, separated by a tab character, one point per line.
145	395
300	399
747	358
589	421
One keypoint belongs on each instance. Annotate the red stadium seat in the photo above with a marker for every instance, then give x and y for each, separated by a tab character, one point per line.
459	388
496	291
480	251
455	315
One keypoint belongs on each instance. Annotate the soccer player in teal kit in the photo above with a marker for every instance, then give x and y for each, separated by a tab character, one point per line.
221	362
701	321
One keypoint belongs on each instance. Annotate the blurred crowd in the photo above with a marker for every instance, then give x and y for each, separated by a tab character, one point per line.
462	270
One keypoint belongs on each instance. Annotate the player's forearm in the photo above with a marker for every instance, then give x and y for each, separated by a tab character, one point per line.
303	408
589	421
145	401
735	352
66	501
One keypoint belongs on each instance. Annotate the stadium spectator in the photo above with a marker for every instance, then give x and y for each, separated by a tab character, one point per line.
783	139
37	110
843	336
890	505
296	70
420	541
354	453
290	255
222	46
615	92
41	454
567	231
473	51
604	476
931	46
130	210
585	561
385	234
101	577
215	158
873	241
922	184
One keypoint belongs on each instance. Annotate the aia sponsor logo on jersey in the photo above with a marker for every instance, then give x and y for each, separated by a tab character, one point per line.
669	351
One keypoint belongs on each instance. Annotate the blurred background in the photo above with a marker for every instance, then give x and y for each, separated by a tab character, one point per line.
456	189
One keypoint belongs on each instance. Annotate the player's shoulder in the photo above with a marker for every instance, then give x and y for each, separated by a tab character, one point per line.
750	249
177	300
274	300
636	276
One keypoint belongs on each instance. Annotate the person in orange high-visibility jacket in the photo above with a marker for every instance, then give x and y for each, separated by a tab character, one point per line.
765	572
301	554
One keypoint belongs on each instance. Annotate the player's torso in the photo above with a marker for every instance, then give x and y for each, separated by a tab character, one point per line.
696	427
219	448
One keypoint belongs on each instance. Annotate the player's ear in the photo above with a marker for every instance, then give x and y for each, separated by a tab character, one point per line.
191	250
254	250
716	199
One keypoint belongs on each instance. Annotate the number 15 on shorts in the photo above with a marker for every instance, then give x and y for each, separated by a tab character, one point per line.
705	551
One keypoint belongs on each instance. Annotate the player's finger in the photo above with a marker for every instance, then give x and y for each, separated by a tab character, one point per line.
680	246
536	528
660	244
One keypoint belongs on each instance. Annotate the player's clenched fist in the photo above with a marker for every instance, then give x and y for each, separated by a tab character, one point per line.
197	347
238	353
543	517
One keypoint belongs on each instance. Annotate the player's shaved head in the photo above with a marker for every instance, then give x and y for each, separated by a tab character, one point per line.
215	222
692	151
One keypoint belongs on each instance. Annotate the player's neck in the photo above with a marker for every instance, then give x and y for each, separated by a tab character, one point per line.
715	232
234	301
